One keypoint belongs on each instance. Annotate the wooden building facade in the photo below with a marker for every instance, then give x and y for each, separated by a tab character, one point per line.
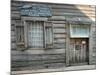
51	35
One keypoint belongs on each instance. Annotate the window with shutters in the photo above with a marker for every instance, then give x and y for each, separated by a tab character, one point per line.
79	31
35	35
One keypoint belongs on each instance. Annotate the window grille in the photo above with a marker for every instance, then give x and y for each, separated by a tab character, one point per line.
35	34
79	31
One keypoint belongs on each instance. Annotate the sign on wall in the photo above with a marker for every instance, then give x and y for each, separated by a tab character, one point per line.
36	10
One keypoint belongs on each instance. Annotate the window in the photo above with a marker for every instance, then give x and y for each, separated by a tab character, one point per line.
79	30
35	34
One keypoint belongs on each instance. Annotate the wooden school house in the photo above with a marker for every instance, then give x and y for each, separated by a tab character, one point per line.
52	35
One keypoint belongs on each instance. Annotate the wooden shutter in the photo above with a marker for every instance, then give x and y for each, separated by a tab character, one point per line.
49	34
20	35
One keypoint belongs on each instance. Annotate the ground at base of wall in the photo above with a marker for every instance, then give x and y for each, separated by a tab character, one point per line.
71	68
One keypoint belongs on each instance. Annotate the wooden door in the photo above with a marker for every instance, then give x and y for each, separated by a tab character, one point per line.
78	51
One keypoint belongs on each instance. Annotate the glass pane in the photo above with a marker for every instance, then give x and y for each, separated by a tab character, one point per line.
35	34
79	31
49	35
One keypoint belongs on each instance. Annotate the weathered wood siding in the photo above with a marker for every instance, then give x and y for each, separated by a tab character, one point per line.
56	57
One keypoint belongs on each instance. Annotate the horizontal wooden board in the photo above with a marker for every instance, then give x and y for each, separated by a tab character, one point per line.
12	27
59	35
62	45
15	12
14	8
58	22
60	39
56	38
37	57
55	65
56	30
34	18
35	63
13	33
57	18
43	66
59	25
52	57
80	19
59	42
70	18
51	51
72	14
14	15
71	6
26	63
13	38
74	11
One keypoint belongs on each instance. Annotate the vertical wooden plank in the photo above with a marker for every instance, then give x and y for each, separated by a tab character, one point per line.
67	43
25	34
52	35
44	34
90	45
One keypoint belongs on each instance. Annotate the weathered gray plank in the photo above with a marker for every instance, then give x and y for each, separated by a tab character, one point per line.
35	63
74	10
13	45
13	33
59	30
43	66
31	57
58	22
13	38
72	14
51	51
12	27
59	45
15	12
59	25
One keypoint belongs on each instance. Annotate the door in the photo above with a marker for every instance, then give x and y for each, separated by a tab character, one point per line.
78	51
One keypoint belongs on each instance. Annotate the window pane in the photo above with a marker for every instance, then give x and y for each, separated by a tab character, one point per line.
49	35
79	31
35	34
